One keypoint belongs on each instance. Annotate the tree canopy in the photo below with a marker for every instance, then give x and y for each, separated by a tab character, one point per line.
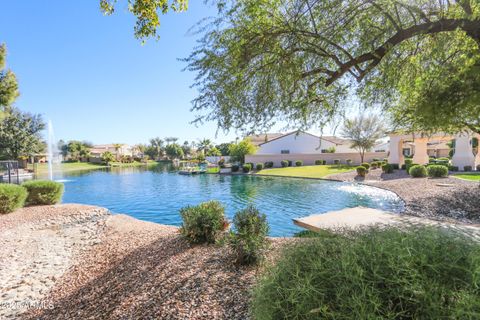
8	84
262	61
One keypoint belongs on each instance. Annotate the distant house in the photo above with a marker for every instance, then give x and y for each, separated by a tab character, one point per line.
300	142
124	150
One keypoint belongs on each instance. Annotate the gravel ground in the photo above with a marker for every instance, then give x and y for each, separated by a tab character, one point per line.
102	266
448	199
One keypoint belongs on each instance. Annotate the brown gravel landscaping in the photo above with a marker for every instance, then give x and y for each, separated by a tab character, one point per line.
129	269
448	198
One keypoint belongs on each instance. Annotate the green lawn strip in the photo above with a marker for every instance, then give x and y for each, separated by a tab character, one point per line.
42	168
468	176
307	171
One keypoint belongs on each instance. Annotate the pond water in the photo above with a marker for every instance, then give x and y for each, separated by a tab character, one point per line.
156	194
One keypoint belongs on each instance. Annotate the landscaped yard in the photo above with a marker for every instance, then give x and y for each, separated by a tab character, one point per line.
42	168
307	171
469	176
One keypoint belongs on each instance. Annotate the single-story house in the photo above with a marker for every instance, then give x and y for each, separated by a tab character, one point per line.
124	150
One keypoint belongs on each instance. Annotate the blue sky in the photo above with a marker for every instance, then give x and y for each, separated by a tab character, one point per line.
95	81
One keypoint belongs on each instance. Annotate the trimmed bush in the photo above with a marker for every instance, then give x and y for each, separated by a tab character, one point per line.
318	162
437	171
467	168
374	165
420	273
336	161
247	167
395	166
478	167
12	197
249	238
418	171
404	167
362	171
290	163
259	166
349	162
443	159
235	168
409	165
408	161
269	164
385	160
376	159
43	192
284	163
366	165
453	168
299	163
387	168
204	222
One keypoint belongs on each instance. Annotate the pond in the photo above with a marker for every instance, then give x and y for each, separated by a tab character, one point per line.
156	194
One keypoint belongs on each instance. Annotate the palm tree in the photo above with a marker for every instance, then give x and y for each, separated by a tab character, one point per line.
157	143
117	147
204	145
171	140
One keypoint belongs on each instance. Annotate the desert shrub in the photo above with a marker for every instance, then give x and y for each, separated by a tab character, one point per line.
284	163
336	161
349	162
42	192
248	240
361	171
204	222
437	171
247	167
318	162
259	166
387	168
366	165
395	166
375	274
269	164
467	168
12	197
235	168
299	163
453	168
418	171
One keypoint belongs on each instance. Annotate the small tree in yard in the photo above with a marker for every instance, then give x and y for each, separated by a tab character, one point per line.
107	157
363	131
238	151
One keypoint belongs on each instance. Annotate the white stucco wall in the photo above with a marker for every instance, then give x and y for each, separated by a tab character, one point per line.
301	143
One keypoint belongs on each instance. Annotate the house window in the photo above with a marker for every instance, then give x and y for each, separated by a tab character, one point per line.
406	152
285	151
381	150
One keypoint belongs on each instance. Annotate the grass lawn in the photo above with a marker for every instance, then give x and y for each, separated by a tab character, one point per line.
42	168
469	176
307	171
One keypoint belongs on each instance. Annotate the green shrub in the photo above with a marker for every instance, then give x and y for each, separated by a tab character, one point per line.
299	163
290	163
269	164
409	165
284	163
408	161
437	171
349	162
259	166
387	168
418	171
235	168
404	167
362	171
385	160
420	273
247	167
221	163
467	168
318	162
375	159
42	192
366	165
336	161
12	197
395	166
374	165
443	159
204	222
478	167
453	168
249	238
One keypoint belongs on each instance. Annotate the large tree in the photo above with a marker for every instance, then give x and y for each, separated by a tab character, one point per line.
8	84
20	134
264	60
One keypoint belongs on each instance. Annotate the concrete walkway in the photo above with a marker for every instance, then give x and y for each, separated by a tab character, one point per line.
361	217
